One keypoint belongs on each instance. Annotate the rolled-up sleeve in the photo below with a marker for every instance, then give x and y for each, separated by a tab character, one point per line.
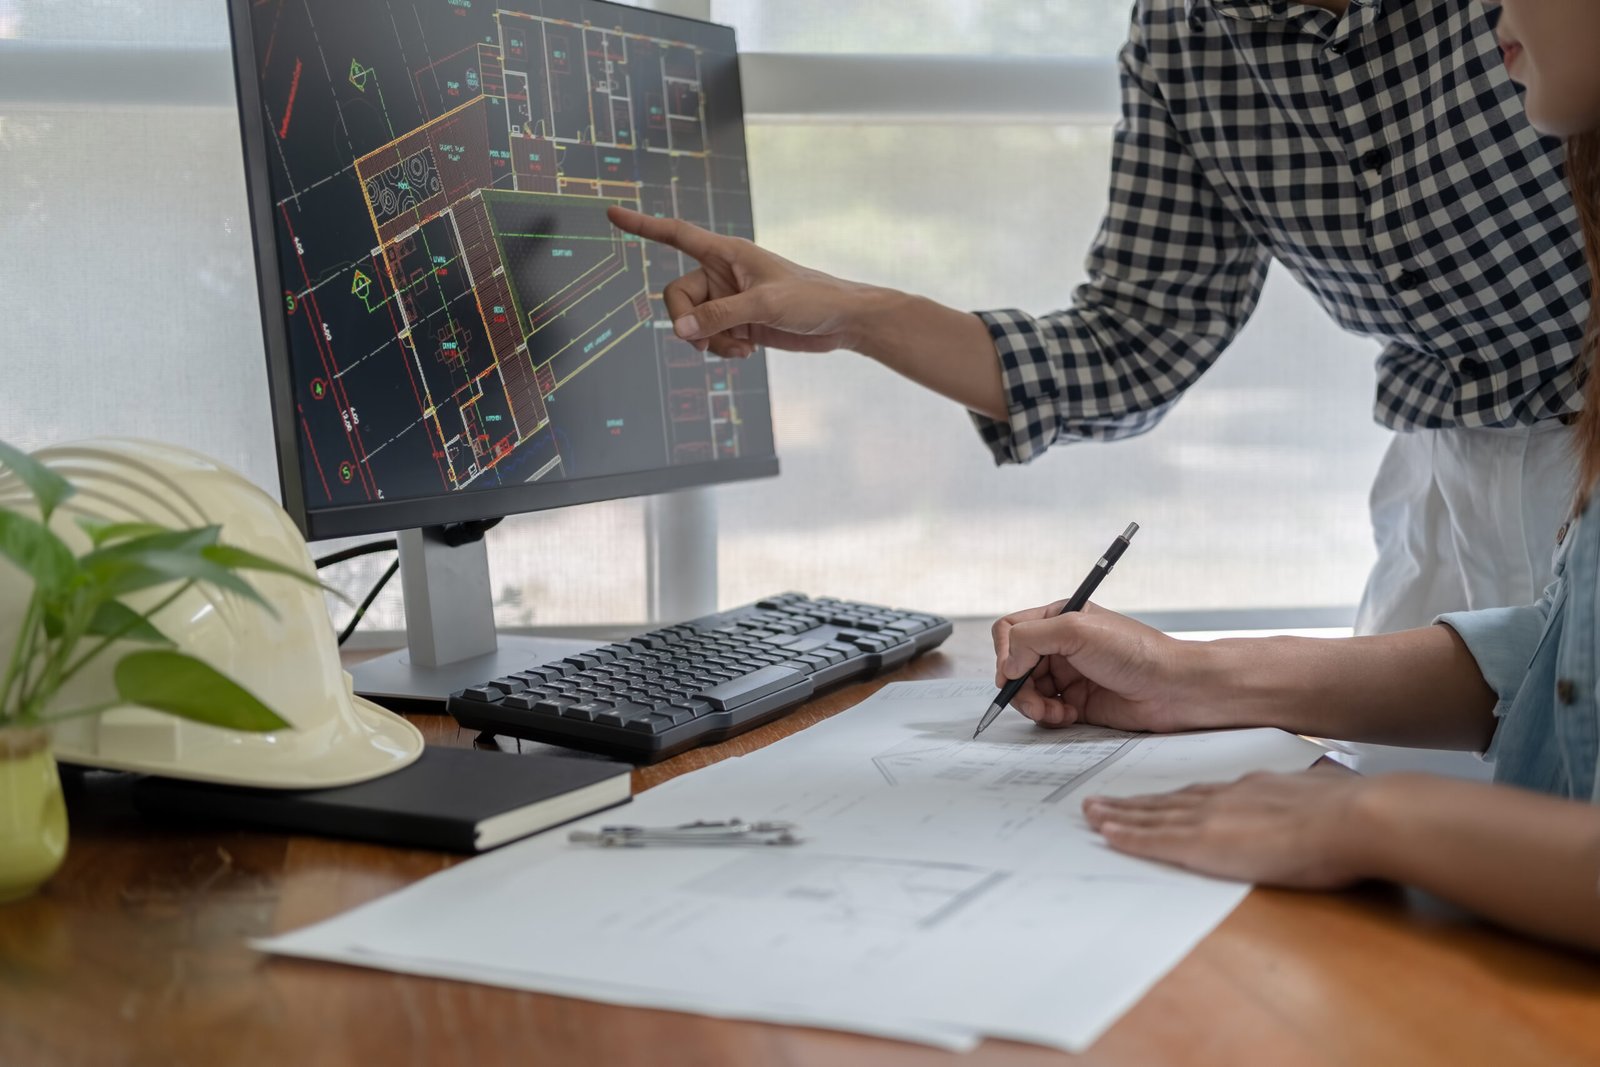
1173	276
1503	642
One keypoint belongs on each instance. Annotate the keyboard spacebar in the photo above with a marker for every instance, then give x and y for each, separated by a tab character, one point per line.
753	686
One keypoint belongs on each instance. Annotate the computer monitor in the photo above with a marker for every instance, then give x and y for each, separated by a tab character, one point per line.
454	331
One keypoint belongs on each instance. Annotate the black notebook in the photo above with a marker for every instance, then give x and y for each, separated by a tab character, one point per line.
461	799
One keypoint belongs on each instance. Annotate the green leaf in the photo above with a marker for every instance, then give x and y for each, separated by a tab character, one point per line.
119	577
41	554
238	559
102	533
48	487
184	686
162	540
114	619
235	558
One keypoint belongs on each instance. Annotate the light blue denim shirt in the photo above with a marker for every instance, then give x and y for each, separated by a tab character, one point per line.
1541	662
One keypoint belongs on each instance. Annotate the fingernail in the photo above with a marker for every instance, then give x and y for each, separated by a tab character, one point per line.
687	326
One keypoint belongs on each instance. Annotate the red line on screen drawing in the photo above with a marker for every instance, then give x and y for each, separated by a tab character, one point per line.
288	109
315	462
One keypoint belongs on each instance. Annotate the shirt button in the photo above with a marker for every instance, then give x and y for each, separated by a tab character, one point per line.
1375	159
1409	279
1561	534
1471	369
1338	47
1565	690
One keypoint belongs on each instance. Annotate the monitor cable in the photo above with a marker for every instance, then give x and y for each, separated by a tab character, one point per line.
355	552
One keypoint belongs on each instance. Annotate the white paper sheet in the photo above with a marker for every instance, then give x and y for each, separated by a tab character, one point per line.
947	888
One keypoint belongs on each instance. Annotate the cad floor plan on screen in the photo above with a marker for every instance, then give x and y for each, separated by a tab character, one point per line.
440	174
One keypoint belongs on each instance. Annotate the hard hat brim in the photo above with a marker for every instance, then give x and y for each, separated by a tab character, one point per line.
387	743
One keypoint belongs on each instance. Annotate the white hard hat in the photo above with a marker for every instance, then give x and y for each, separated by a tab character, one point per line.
291	662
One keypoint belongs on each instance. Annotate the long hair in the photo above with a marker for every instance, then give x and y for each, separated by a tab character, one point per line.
1583	171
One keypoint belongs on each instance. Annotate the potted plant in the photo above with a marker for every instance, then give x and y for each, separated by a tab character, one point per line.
78	611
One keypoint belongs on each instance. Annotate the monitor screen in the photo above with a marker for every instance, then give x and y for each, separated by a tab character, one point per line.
454	330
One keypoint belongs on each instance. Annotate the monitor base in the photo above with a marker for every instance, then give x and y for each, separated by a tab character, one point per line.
400	685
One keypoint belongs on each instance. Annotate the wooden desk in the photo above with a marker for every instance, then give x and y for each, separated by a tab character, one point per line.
134	954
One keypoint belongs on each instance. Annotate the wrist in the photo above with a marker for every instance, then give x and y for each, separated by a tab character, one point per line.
1369	828
1216	684
875	318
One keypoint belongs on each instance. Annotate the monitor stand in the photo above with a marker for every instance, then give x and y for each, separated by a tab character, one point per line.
451	641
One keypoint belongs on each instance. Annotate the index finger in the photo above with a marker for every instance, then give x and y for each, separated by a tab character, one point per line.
1001	630
686	237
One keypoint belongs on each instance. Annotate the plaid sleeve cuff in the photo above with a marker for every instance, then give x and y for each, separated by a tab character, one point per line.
1028	377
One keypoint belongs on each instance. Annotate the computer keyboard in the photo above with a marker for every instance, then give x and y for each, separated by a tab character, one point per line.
698	682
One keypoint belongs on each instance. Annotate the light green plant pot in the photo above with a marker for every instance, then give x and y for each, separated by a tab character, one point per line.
33	815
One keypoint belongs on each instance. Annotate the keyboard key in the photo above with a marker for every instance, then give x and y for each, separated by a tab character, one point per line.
586	710
520	701
483	693
738	692
649	724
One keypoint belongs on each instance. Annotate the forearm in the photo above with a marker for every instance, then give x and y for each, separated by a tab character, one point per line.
1417	687
945	350
1526	860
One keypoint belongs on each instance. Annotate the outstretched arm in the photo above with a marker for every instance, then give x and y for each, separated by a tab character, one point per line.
741	296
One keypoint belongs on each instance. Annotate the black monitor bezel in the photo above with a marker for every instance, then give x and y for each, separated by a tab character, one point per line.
351	520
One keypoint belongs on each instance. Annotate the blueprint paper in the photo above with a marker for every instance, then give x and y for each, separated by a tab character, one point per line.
947	888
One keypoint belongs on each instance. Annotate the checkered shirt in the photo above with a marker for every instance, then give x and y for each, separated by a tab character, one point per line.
1383	158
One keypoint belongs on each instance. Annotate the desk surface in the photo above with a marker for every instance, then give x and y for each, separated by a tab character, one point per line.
135	954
